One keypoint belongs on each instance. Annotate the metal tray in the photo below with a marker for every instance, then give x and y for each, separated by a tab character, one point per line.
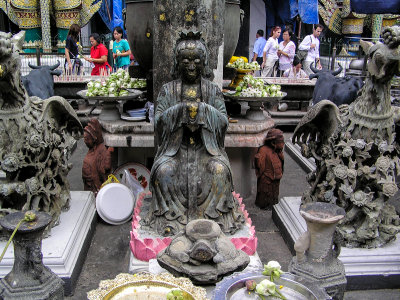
132	95
255	99
294	288
245	70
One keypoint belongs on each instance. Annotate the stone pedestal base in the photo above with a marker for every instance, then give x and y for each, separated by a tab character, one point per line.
365	268
331	277
65	250
146	245
51	289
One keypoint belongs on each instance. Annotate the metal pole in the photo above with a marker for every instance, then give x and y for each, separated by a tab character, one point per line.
299	32
333	57
37	56
364	69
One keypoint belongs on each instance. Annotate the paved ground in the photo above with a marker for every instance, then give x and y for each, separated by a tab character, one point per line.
108	254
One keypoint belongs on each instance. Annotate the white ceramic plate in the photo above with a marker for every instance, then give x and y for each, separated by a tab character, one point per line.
135	115
114	203
140	172
128	118
138	110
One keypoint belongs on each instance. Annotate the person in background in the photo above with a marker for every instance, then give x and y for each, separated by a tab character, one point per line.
270	53
295	71
259	45
72	62
293	37
98	55
286	52
121	50
311	43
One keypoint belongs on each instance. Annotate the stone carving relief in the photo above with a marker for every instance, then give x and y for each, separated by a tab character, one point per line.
356	153
36	138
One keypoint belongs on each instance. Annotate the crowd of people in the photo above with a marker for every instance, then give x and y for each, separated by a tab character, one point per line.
275	58
98	52
280	59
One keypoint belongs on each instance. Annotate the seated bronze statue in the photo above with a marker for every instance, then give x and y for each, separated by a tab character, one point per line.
191	177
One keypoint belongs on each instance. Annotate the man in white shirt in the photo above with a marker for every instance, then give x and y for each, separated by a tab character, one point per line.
259	45
311	43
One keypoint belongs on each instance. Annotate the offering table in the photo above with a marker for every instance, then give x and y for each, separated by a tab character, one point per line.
299	92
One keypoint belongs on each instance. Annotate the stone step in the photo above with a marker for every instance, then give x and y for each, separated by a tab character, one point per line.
287	114
290	117
307	164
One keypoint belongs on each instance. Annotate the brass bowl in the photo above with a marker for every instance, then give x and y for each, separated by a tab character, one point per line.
144	290
245	70
145	286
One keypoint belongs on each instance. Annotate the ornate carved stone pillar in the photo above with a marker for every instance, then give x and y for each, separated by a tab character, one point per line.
29	278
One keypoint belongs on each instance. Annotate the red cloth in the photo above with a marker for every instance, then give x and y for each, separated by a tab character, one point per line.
97	52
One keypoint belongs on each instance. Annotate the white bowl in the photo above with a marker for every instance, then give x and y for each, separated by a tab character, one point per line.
114	203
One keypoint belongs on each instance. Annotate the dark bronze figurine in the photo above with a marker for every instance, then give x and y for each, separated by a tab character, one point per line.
191	177
97	162
269	169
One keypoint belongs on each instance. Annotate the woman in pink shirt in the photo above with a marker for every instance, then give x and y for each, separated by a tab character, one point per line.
270	53
286	52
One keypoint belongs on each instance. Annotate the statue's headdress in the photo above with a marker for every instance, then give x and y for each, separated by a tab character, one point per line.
191	40
274	135
95	130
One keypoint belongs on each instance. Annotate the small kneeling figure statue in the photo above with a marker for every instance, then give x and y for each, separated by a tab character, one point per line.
269	163
97	162
191	177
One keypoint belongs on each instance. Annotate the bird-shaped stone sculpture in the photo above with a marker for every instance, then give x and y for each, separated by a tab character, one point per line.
356	151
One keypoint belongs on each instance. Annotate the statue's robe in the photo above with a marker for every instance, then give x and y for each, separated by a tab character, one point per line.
191	176
269	171
96	167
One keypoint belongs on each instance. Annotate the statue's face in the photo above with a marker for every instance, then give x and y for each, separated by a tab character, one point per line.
88	139
278	145
384	64
9	60
191	64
